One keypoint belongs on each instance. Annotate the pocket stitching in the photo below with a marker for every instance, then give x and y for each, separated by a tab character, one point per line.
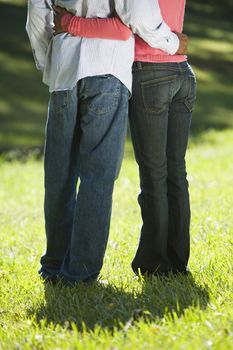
61	107
155	82
110	107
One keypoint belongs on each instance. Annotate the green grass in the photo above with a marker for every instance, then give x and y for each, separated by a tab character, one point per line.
128	313
211	54
177	313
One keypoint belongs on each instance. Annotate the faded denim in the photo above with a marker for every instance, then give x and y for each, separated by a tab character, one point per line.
85	138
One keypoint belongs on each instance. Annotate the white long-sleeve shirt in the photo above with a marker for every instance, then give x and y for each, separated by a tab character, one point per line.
65	59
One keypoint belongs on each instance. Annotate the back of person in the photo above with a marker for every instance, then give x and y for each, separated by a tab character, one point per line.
85	130
85	135
160	116
69	59
173	14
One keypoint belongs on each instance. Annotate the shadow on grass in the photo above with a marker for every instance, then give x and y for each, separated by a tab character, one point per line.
209	113
13	21
23	97
110	307
211	23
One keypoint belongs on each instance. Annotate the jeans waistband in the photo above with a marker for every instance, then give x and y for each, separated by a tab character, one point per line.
178	66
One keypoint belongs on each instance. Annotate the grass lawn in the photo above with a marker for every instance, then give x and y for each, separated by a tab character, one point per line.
194	312
177	313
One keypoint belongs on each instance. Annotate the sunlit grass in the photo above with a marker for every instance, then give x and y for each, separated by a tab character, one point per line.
177	313
15	2
209	47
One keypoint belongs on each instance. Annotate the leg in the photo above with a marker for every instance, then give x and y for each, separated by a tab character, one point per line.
152	91
178	194
103	110
60	178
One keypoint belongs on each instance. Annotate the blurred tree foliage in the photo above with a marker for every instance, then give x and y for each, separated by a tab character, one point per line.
227	3
23	97
224	6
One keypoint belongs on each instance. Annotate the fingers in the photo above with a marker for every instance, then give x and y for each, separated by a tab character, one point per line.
57	25
59	10
183	38
56	9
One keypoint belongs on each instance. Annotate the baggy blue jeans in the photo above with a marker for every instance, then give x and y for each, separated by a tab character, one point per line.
85	136
160	115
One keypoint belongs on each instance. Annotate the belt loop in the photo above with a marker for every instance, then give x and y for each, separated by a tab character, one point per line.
138	65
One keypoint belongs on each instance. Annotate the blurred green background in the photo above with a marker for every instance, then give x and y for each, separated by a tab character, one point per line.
23	97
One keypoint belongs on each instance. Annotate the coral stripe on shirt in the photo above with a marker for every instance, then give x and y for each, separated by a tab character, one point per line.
173	14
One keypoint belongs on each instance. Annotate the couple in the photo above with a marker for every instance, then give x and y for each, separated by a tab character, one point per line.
87	64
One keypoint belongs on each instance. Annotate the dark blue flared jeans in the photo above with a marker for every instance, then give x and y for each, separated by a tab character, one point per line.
160	115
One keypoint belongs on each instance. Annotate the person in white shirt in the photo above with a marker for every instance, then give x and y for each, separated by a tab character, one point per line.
89	81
